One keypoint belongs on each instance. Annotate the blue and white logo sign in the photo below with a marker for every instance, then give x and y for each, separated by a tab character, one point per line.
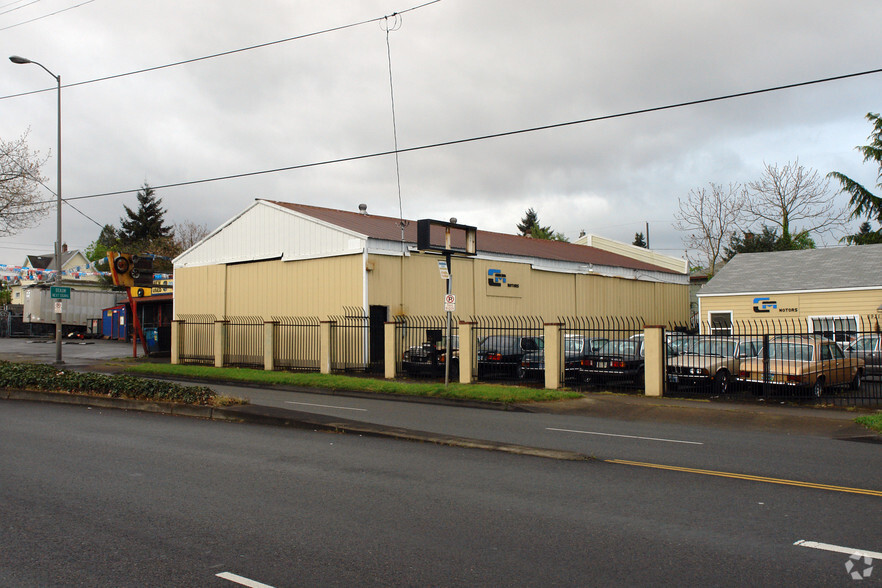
495	277
764	304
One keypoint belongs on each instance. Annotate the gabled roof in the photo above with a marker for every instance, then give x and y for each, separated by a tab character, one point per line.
834	268
389	229
47	260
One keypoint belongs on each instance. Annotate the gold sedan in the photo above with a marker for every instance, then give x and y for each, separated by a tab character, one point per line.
804	361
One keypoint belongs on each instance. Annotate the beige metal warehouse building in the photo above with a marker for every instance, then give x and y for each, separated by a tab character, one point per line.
836	291
284	259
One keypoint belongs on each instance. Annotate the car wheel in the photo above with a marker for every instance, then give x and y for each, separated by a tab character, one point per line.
818	388
856	382
721	382
522	373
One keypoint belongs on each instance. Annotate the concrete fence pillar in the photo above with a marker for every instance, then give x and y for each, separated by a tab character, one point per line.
390	360
466	352
220	342
177	341
269	345
553	355
654	353
326	343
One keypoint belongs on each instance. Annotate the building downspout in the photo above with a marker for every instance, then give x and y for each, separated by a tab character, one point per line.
365	304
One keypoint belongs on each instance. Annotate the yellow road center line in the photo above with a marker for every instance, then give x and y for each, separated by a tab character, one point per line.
749	477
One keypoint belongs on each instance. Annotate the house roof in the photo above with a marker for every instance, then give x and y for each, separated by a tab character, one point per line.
834	268
47	261
389	229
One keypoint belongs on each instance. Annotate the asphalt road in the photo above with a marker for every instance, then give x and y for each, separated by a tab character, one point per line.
111	498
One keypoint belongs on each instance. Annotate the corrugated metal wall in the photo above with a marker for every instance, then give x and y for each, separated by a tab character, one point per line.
490	288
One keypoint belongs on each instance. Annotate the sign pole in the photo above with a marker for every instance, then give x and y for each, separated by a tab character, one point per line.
449	313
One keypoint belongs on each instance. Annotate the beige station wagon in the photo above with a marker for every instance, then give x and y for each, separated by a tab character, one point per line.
804	361
711	361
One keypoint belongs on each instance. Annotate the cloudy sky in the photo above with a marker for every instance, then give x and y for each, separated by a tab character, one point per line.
460	70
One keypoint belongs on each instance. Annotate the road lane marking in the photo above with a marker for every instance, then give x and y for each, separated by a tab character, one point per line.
839	549
325	406
242	580
625	436
748	477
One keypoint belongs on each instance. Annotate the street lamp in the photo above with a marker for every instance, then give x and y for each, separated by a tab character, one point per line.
21	61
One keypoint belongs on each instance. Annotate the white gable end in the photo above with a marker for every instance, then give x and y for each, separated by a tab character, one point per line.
266	231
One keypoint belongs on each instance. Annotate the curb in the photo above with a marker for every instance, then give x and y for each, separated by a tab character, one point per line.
280	417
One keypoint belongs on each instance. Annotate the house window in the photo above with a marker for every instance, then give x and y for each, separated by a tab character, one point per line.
720	322
838	328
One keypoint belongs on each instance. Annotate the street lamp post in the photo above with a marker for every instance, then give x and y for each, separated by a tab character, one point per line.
58	252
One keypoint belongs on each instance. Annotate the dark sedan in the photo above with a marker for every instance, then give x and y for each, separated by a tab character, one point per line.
428	359
869	348
575	347
620	360
501	355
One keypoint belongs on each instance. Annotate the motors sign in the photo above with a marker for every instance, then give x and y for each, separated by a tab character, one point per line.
766	304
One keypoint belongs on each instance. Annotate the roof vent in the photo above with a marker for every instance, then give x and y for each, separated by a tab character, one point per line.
453	220
362	208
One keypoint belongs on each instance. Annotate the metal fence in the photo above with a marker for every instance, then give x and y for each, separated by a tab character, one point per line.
504	343
196	338
297	343
831	362
421	346
603	352
350	341
243	341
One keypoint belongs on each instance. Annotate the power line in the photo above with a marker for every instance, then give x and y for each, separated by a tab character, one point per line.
491	136
47	16
221	54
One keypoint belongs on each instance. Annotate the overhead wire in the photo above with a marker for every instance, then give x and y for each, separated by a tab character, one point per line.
220	54
494	135
17	7
46	15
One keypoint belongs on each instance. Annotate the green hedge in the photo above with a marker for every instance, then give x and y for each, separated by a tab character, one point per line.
24	376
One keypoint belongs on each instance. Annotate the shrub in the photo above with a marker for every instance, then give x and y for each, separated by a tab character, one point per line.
45	377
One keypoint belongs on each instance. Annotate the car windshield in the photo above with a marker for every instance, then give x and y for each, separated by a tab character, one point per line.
619	348
791	351
574	344
714	347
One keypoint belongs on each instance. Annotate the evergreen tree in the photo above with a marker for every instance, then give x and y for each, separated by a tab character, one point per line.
865	235
863	202
145	227
528	223
768	240
639	240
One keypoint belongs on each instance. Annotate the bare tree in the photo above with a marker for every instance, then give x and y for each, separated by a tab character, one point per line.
20	205
188	234
709	217
796	199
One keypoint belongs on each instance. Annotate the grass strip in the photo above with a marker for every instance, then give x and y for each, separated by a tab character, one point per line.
871	421
454	391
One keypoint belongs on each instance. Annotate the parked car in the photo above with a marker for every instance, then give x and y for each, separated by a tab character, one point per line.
868	348
429	358
711	361
619	360
804	362
575	347
501	355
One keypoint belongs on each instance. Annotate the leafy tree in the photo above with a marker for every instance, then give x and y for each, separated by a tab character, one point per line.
108	240
145	228
865	235
639	240
767	240
20	179
5	295
792	195
863	202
